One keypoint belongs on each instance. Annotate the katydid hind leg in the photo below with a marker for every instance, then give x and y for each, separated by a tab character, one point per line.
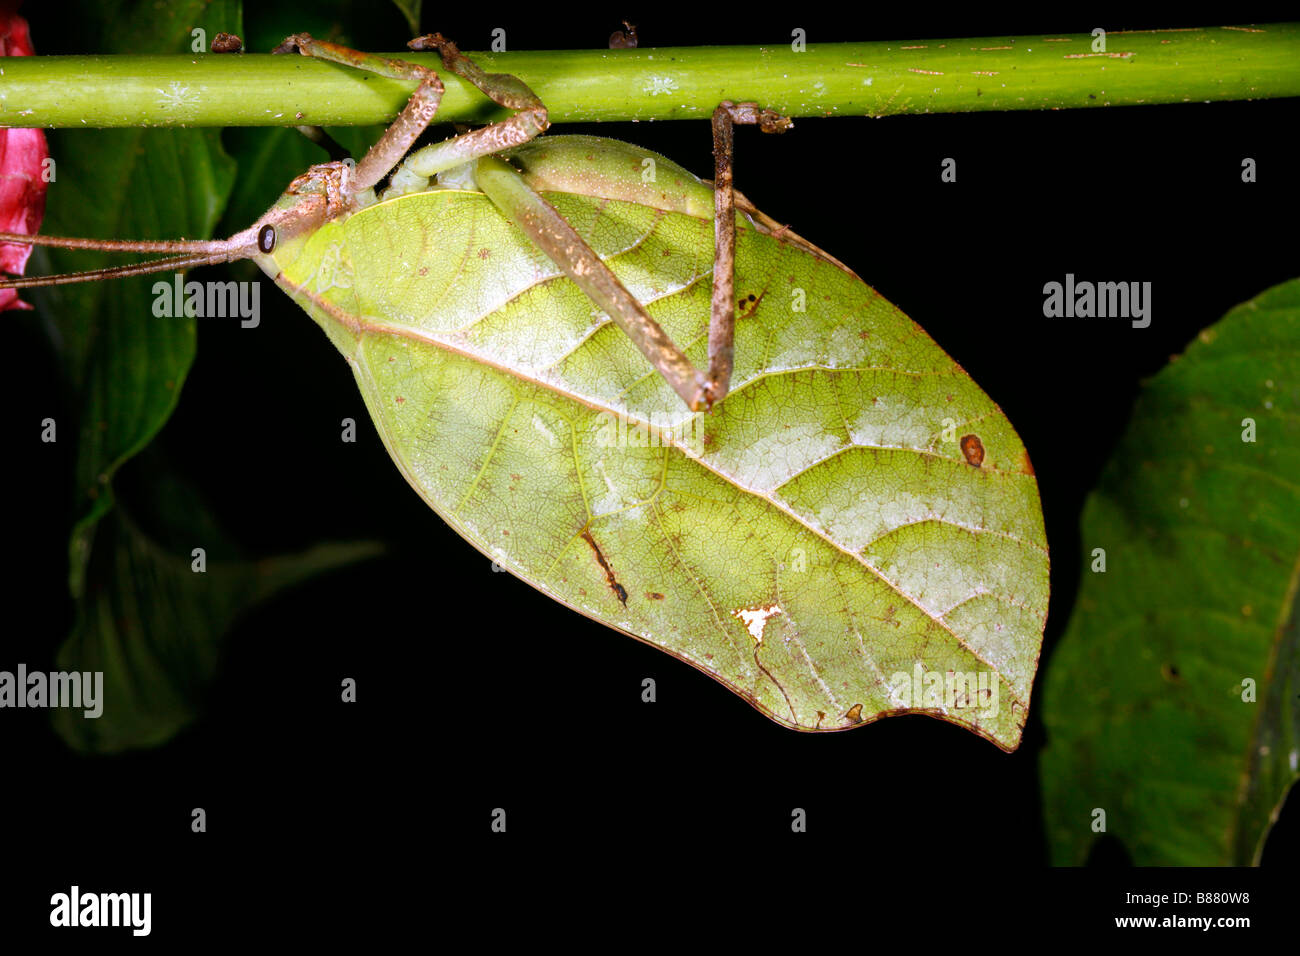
553	234
722	316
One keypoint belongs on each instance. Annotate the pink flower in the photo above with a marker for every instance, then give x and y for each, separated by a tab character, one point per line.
22	167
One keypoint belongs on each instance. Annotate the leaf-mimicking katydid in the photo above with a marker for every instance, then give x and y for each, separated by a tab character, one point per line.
664	410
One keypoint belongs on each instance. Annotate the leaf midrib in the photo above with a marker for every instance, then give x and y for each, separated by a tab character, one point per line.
362	326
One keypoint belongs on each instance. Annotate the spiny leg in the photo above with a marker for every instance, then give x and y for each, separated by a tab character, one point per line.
508	91
722	318
530	120
553	234
410	123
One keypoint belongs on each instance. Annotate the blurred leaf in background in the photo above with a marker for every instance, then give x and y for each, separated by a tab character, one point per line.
165	587
142	614
411	10
1171	703
127	365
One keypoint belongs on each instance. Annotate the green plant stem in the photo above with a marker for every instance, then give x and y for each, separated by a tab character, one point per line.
828	79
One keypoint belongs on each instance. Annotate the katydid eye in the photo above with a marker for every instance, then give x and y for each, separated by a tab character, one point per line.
266	239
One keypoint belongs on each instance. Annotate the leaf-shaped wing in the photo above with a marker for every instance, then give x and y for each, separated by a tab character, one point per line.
854	532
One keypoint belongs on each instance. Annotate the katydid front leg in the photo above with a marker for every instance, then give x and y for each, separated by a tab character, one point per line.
410	123
503	89
530	119
722	318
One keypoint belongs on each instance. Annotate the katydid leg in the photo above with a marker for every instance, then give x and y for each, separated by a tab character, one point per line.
722	317
529	121
551	233
410	123
414	171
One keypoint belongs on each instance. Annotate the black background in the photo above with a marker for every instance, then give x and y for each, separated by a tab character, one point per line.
476	692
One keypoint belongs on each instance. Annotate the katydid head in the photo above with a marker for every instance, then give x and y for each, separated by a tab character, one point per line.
311	200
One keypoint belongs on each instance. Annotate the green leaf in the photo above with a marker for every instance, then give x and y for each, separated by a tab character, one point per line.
1146	705
127	365
814	543
154	626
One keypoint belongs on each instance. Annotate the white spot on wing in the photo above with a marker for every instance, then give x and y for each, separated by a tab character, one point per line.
755	619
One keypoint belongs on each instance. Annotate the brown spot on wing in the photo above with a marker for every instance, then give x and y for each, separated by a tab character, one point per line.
1025	464
973	449
854	714
749	305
